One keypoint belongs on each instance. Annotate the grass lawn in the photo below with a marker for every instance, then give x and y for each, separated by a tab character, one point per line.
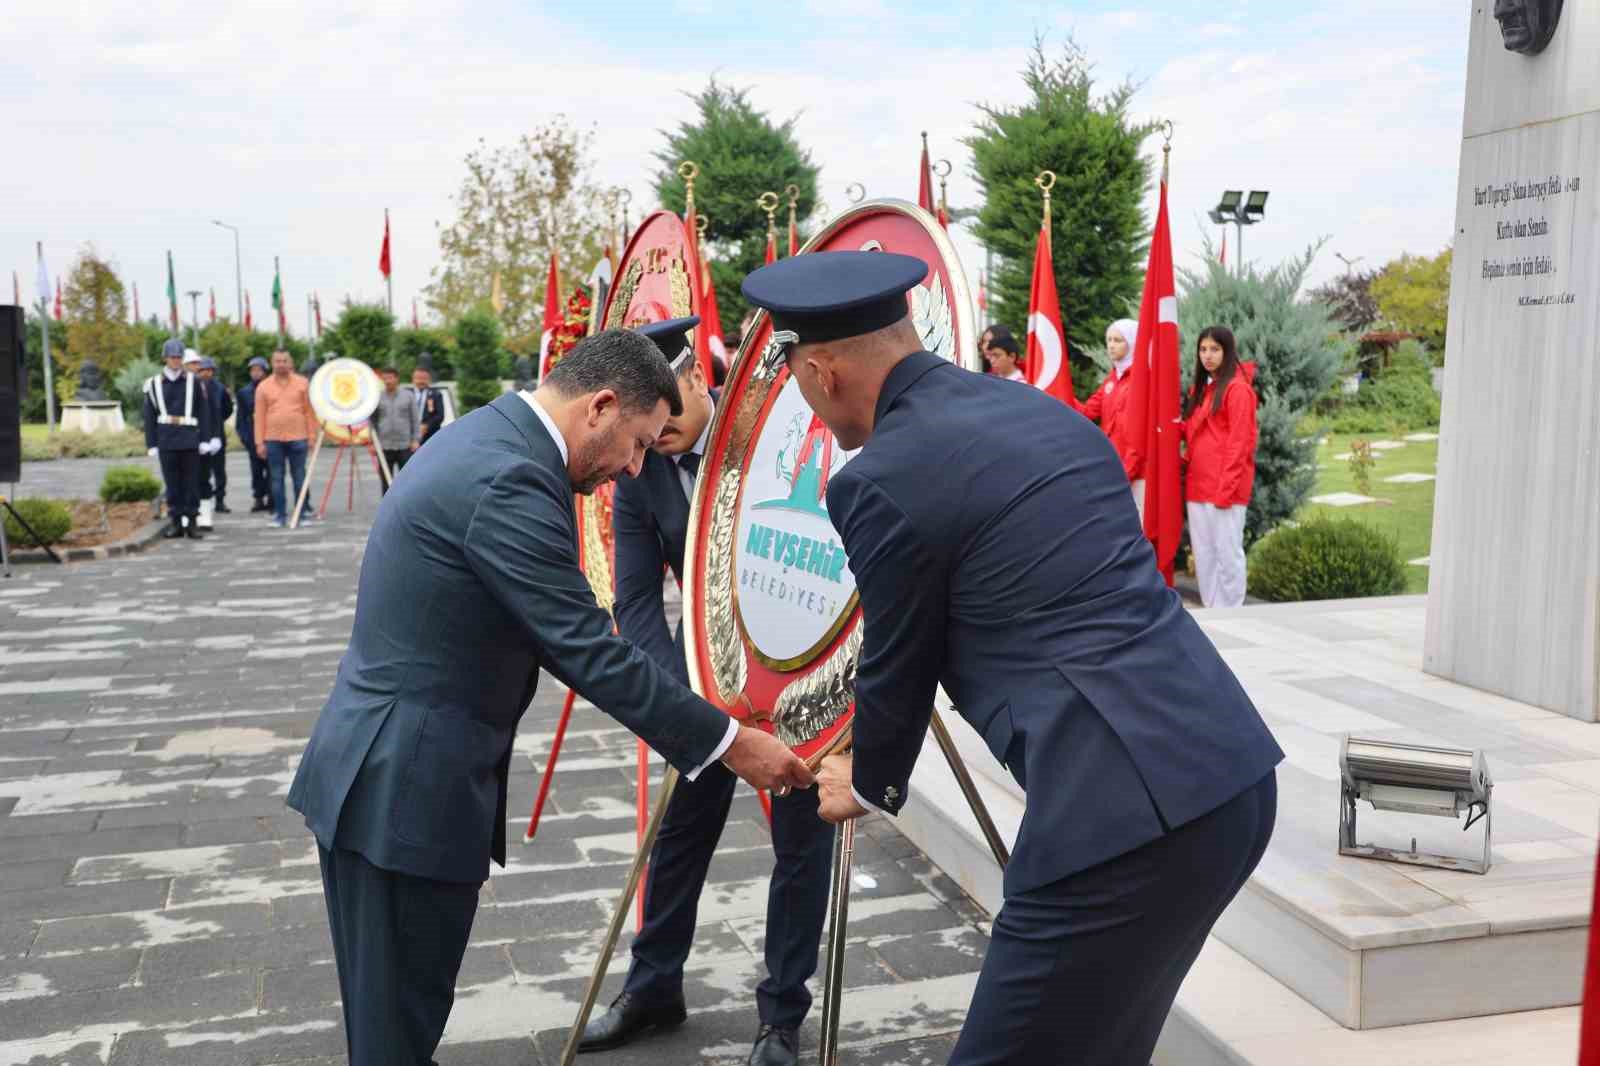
1405	511
35	432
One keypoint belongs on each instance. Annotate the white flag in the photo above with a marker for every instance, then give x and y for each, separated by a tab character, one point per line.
44	278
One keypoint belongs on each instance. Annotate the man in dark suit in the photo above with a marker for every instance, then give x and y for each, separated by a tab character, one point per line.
469	587
650	521
430	405
1036	602
244	427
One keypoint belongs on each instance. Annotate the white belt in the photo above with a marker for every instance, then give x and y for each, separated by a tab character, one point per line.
177	420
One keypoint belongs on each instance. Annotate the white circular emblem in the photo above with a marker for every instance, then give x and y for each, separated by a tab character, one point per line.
792	582
345	392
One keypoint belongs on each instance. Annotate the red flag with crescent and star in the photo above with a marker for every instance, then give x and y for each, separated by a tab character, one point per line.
711	318
925	181
1045	363
383	254
249	323
213	305
702	336
1153	405
553	319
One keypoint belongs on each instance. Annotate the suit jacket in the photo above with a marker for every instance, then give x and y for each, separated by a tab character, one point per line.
469	585
432	413
650	523
1037	604
244	421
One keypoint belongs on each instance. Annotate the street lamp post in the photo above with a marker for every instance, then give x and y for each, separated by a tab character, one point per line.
1242	211
1349	264
238	272
194	321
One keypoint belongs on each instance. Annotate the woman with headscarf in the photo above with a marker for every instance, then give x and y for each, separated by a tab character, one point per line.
1109	404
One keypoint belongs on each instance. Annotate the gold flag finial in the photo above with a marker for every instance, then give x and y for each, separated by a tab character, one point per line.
768	202
943	169
1046	181
688	170
1166	150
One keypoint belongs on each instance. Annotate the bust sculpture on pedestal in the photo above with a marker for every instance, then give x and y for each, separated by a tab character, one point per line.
89	382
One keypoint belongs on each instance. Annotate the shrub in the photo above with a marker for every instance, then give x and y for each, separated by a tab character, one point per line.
1326	559
129	484
74	444
477	358
50	519
128	385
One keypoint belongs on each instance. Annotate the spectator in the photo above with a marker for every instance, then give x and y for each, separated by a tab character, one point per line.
1109	405
285	425
1219	428
244	427
397	421
430	405
1002	354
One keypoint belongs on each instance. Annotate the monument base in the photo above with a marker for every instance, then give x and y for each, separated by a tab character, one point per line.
1369	944
92	416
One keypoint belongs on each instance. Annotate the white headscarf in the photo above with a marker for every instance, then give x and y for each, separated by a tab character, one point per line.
1130	333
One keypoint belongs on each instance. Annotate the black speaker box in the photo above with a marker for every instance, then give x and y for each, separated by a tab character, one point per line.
13	383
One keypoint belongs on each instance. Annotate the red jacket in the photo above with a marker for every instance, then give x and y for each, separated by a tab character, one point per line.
1222	444
1109	407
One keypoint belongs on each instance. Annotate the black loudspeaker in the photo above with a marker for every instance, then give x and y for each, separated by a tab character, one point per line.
13	383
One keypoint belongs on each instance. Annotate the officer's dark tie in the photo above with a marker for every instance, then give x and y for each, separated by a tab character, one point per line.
689	463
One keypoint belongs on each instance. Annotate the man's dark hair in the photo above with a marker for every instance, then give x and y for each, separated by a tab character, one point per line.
624	362
1000	337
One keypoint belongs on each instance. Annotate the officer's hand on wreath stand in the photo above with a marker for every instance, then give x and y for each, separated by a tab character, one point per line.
836	802
766	762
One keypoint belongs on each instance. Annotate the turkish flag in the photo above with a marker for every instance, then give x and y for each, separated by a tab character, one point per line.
552	316
710	317
1045	364
772	248
702	338
249	323
58	299
1153	410
213	305
925	181
383	256
1589	1019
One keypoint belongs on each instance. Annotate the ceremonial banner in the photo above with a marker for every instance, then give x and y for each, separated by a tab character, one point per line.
771	619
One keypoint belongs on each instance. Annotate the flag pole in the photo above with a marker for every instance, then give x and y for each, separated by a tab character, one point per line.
49	378
389	276
793	193
311	332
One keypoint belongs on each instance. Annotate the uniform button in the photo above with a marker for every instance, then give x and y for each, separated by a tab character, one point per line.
891	794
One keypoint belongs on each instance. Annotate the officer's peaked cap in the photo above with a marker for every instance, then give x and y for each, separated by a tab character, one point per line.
825	296
672	338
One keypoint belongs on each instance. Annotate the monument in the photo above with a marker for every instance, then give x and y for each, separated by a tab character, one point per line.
1514	594
90	410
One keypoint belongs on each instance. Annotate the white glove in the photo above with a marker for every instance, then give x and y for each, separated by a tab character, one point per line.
152	452
205	447
216	445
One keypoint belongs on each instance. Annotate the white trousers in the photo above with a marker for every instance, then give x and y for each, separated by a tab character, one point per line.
1216	534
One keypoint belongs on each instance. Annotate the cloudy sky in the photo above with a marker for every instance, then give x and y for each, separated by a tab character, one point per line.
131	127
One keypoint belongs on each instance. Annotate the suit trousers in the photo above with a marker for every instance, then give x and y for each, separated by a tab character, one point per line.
398	941
181	471
797	900
395	458
259	489
1082	971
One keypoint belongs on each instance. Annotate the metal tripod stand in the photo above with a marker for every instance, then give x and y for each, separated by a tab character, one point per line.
838	907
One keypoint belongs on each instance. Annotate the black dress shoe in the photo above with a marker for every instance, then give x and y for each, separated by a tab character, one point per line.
173	531
260	505
223	508
776	1046
628	1018
193	531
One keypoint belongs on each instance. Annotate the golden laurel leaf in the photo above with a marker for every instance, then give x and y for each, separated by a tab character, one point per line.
678	286
625	290
596	560
810	705
728	666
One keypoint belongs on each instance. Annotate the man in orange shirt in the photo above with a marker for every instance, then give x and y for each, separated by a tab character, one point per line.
285	425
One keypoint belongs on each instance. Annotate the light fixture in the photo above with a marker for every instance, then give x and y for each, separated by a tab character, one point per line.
1413	779
1255	207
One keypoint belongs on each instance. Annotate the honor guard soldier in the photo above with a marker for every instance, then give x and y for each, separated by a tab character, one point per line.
178	429
650	520
1037	604
214	467
244	427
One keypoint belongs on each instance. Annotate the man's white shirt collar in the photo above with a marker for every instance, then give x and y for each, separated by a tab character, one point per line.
171	374
549	423
700	444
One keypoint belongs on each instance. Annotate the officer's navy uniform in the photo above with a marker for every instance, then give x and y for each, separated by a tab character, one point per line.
403	781
244	426
214	467
177	418
1036	602
430	413
650	521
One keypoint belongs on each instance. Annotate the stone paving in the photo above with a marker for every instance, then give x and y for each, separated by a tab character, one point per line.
160	905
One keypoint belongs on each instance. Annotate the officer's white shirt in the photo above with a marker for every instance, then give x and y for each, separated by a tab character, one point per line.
699	449
555	435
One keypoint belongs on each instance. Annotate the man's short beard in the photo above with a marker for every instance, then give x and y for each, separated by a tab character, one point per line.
584	460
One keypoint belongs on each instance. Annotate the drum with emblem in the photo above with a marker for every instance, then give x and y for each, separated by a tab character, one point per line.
771	619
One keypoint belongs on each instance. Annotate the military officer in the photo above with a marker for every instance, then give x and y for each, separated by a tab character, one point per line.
1149	780
650	520
178	429
214	467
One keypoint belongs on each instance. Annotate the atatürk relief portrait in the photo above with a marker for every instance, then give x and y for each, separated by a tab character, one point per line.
1526	26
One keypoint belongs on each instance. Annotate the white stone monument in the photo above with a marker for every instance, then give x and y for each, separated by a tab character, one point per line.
1514	590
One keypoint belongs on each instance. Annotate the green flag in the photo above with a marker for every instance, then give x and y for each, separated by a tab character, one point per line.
172	294
277	298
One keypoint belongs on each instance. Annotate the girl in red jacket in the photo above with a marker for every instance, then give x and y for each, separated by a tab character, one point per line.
1109	404
1219	429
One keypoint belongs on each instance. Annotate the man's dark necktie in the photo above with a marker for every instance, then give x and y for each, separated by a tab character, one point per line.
689	463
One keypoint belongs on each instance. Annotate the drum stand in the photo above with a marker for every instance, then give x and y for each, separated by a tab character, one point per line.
344	446
838	907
